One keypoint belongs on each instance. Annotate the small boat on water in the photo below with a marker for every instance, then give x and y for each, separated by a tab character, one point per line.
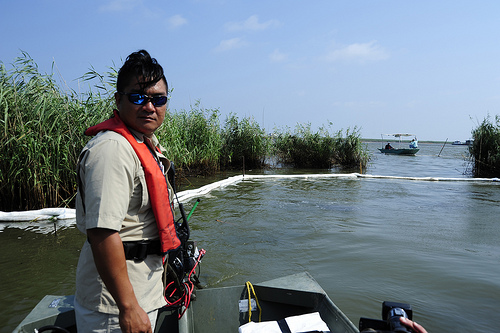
463	143
399	151
224	309
411	150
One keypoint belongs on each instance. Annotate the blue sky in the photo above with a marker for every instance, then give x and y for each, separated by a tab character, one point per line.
426	67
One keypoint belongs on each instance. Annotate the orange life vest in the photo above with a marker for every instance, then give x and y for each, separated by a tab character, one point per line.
155	181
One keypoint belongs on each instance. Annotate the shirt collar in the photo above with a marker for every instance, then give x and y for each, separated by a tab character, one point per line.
140	137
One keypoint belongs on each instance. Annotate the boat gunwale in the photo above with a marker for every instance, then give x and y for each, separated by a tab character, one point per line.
296	291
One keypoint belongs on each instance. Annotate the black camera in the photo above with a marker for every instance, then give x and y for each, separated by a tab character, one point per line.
391	312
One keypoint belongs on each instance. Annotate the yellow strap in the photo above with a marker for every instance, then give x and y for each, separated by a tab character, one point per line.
250	286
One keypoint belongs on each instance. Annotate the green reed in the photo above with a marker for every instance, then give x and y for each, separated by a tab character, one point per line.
41	137
192	139
245	144
485	149
42	125
304	148
348	151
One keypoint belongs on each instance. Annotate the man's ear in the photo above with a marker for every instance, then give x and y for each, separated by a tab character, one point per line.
118	97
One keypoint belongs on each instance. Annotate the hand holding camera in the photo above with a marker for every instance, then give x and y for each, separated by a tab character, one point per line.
413	326
396	318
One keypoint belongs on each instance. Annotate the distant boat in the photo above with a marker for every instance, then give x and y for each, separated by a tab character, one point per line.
411	150
463	143
399	151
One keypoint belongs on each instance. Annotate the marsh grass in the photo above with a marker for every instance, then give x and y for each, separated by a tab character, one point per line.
485	149
303	148
41	137
192	140
42	126
245	144
348	150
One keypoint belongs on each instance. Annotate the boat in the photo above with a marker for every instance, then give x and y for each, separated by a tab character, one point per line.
411	150
399	151
224	309
468	142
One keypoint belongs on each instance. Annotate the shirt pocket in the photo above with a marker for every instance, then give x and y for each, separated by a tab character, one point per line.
142	189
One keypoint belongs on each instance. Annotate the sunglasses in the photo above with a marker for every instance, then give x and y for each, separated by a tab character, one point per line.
141	99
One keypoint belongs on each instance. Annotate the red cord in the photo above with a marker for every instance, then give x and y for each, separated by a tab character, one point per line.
185	299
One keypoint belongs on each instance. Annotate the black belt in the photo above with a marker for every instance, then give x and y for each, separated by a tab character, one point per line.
139	250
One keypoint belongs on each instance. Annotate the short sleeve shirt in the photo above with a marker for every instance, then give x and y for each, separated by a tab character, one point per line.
112	194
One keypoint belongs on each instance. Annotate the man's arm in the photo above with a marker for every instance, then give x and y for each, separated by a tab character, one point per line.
109	257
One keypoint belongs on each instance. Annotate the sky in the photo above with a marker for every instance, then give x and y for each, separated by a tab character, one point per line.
430	68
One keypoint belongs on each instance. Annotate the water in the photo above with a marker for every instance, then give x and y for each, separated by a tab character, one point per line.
433	244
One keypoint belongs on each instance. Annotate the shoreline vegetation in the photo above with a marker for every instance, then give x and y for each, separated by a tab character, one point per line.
485	149
42	129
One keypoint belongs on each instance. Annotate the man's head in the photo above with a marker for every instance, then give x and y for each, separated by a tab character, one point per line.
141	93
140	65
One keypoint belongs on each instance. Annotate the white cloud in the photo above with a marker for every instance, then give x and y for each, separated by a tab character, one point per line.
176	21
360	52
277	56
251	24
229	44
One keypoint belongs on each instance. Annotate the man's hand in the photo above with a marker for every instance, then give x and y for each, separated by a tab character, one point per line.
135	321
417	328
109	258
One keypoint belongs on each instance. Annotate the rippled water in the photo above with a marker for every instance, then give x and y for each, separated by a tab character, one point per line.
433	244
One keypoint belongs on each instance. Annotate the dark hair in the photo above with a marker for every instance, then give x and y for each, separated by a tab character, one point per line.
140	65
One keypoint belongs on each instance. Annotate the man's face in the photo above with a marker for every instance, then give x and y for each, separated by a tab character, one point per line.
142	118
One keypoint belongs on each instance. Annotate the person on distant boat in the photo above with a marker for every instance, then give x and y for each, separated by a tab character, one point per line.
388	146
414	143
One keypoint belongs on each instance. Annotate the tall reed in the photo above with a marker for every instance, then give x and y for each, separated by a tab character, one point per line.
304	148
244	143
485	149
192	139
42	125
348	151
41	137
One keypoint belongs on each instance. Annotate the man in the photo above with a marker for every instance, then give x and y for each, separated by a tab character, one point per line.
123	207
414	143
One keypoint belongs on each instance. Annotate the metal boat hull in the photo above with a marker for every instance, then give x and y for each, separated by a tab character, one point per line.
217	309
399	151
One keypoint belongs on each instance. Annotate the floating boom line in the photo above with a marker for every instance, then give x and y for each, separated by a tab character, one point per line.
184	196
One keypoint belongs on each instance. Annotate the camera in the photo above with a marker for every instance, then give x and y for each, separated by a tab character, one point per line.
391	312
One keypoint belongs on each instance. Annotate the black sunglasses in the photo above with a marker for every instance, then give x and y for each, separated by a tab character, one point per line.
141	99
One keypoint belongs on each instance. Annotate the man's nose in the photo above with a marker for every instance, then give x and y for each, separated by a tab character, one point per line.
149	106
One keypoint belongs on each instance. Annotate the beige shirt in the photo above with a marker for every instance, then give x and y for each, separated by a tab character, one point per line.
112	194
